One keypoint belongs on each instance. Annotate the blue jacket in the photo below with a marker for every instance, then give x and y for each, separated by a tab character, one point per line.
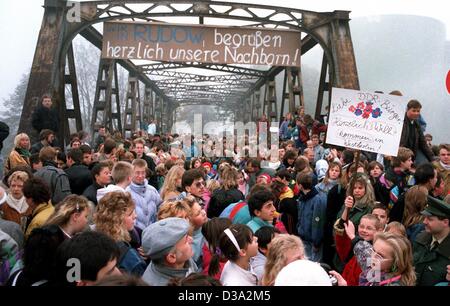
311	216
147	201
413	230
256	223
284	130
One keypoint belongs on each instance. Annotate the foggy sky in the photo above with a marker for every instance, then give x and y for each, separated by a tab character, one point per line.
21	20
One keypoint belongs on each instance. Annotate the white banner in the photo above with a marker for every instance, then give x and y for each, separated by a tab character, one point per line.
366	121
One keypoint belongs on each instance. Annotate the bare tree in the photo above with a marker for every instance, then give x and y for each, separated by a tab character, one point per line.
12	109
87	59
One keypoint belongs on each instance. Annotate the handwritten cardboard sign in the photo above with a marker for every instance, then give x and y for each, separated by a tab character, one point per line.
366	121
204	44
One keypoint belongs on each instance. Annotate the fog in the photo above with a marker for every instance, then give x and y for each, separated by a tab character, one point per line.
404	52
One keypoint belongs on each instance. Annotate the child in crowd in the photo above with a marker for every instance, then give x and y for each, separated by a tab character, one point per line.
213	259
283	250
265	235
356	250
238	245
398	178
396	228
331	179
311	217
391	262
382	213
360	199
415	202
262	209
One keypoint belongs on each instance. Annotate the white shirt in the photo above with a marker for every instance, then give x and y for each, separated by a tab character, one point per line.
151	129
110	188
233	275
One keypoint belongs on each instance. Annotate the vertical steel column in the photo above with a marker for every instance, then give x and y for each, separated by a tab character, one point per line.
74	113
103	97
270	101
132	114
323	86
46	74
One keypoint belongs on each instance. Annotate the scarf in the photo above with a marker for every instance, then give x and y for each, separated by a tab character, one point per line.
23	152
446	167
19	205
286	193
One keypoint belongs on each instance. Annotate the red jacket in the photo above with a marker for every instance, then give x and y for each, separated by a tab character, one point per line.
207	260
352	270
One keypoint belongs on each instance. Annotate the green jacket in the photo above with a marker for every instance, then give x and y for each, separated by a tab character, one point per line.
431	266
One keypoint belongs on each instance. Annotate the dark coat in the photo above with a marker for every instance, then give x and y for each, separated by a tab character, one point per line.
431	266
36	148
311	216
289	214
221	198
381	192
56	179
4	133
335	201
44	118
80	177
91	192
413	138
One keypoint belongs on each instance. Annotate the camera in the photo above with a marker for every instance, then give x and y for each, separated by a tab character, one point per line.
327	269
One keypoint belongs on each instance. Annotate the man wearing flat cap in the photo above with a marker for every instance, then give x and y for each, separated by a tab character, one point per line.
432	247
169	246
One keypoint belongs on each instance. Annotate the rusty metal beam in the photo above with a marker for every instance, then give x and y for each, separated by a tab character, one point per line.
44	77
215	67
330	30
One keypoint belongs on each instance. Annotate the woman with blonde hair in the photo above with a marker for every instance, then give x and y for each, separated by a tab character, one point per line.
71	215
415	202
172	208
115	217
283	250
16	208
20	155
171	188
392	261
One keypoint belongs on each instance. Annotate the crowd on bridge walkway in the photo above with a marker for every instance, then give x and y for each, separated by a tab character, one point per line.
166	209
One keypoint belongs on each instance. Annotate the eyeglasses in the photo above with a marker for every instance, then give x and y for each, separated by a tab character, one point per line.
200	184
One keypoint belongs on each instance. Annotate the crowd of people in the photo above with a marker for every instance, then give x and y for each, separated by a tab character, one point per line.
153	210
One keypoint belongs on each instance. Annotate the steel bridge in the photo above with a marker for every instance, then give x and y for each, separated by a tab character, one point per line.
249	92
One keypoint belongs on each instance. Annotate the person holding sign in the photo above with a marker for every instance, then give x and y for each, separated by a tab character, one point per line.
360	199
412	136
